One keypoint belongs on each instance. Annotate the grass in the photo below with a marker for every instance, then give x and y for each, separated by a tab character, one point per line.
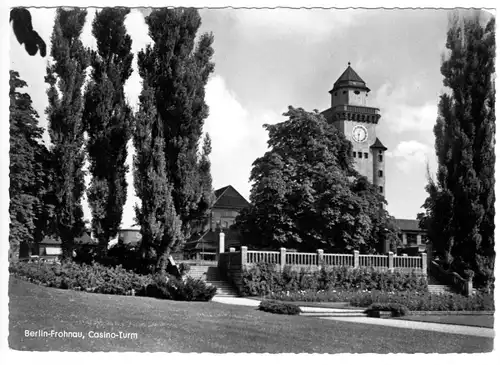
170	326
464	320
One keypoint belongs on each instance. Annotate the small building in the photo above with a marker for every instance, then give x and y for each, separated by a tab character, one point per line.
228	204
412	236
50	246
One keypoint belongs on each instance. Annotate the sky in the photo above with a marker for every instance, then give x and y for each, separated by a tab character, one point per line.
266	60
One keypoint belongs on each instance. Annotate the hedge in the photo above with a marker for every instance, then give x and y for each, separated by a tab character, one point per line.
263	279
279	308
414	301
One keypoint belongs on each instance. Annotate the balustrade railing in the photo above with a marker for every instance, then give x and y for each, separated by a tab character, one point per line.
417	264
331	259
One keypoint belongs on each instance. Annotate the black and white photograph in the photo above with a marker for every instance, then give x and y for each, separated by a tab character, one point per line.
228	180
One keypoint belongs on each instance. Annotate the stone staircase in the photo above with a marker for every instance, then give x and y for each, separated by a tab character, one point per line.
211	276
435	287
440	289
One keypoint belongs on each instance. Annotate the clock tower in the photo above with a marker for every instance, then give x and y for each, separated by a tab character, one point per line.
350	115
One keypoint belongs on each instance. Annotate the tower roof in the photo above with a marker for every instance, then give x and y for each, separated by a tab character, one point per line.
378	145
349	79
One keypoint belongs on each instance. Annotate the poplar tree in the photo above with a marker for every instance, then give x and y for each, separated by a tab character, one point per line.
160	225
178	70
27	173
66	76
107	119
460	207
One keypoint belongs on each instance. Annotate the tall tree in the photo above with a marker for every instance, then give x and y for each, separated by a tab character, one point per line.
460	207
27	173
160	224
107	121
306	193
178	70
66	76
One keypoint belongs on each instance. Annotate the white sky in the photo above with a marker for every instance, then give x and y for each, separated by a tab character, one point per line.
266	60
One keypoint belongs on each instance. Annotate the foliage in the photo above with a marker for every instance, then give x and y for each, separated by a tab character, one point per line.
160	224
459	211
413	300
174	73
93	278
263	279
107	121
176	68
396	309
279	308
29	175
66	76
306	193
167	287
103	279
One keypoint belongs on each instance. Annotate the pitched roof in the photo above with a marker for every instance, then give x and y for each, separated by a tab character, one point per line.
349	78
408	224
228	197
379	145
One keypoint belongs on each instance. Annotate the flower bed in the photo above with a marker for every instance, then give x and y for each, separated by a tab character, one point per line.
414	301
263	279
97	278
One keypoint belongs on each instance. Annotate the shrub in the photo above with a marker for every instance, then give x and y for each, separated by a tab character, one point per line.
263	279
279	308
169	287
94	278
397	310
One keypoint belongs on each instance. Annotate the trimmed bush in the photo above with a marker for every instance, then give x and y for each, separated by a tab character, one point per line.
397	310
263	279
278	308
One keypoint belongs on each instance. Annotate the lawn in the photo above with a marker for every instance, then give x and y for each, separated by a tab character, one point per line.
464	320
170	326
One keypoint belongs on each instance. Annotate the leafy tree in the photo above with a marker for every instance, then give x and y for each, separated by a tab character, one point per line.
107	120
460	207
306	193
66	76
177	71
160	224
27	174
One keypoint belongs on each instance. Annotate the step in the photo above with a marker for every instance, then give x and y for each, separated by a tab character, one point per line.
329	314
305	309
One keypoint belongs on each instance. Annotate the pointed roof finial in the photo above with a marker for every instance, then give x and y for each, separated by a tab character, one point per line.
349	63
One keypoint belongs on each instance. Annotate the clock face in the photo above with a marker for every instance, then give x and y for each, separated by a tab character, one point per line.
359	133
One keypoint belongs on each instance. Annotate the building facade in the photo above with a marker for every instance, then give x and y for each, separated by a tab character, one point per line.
358	122
350	114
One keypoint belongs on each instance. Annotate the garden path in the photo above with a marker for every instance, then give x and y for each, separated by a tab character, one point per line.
400	323
426	326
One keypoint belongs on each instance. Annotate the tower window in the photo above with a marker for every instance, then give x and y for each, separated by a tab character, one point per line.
381	189
380	156
335	94
366	154
356	92
380	173
354	154
344	92
360	154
